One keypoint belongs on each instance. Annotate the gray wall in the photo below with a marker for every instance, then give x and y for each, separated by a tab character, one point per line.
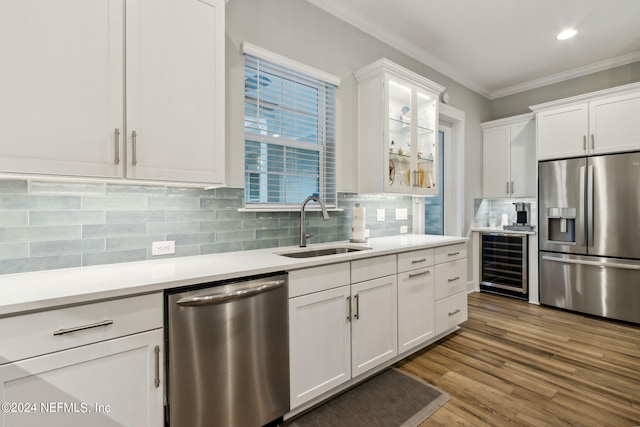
519	103
305	33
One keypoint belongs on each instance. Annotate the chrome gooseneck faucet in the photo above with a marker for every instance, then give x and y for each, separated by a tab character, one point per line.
325	216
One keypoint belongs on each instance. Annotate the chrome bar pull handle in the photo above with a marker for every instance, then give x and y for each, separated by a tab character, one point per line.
454	279
416	261
349	308
453	253
507	187
581	234
590	228
423	273
134	148
454	312
511	187
357	298
584	142
156	381
593	141
117	142
83	327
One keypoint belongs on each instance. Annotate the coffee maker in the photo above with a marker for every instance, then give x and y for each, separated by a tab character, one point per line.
523	216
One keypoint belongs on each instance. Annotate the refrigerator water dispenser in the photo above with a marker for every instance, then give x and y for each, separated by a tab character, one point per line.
561	225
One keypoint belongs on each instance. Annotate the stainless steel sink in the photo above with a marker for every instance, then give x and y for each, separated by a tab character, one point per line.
310	253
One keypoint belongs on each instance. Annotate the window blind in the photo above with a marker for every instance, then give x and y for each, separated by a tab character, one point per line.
289	124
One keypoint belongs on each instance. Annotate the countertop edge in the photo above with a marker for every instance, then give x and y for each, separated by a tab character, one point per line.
65	287
500	230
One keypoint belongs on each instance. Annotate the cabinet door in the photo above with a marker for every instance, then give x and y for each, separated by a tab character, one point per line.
495	162
374	326
614	124
562	132
319	343
61	85
105	384
175	90
522	160
399	135
425	151
416	315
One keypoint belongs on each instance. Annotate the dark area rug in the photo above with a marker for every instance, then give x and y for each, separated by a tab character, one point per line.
391	398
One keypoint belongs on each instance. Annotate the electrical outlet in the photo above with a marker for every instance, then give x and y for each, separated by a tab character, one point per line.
163	248
401	213
404	229
380	215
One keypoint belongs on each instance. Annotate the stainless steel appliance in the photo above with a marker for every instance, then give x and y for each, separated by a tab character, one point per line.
228	353
523	216
589	225
504	266
522	213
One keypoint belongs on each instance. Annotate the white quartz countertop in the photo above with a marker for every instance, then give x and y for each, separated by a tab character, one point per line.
40	290
500	230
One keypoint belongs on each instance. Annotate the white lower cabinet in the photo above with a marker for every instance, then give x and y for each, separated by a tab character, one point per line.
98	364
104	384
339	330
451	286
416	317
348	320
320	343
374	334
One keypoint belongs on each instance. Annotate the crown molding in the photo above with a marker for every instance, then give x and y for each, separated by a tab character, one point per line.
411	49
568	75
400	43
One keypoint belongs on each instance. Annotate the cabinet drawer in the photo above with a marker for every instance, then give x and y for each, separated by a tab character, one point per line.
415	259
451	278
33	334
450	253
316	279
451	311
371	268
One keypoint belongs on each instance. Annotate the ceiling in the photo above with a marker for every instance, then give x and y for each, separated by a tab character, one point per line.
502	47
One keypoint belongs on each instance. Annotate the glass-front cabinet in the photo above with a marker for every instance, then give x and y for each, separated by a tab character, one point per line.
397	130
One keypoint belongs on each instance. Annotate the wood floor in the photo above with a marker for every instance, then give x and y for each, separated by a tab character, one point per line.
514	363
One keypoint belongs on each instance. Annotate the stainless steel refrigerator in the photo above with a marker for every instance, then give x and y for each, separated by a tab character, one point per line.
589	225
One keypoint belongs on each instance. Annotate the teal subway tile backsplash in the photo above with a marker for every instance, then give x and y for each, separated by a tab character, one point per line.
48	224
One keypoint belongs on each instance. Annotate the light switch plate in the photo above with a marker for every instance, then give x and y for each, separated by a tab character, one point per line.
380	215
401	213
163	248
404	229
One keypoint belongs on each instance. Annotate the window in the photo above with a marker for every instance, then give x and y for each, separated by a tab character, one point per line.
434	206
289	127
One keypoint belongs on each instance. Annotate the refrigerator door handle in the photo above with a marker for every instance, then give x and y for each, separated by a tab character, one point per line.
590	205
580	234
592	263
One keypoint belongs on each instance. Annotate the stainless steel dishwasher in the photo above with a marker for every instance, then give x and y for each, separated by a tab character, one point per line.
228	353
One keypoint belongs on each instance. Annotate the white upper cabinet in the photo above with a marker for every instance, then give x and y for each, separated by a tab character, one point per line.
175	90
594	123
61	82
73	108
509	157
397	130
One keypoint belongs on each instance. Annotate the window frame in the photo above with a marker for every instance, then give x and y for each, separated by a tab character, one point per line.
326	135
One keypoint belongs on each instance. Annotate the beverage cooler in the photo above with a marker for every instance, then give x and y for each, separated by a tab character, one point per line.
504	267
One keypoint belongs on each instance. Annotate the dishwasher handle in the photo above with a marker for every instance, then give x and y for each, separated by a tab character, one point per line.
222	297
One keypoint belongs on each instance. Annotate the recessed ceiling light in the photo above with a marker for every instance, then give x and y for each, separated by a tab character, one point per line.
566	34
